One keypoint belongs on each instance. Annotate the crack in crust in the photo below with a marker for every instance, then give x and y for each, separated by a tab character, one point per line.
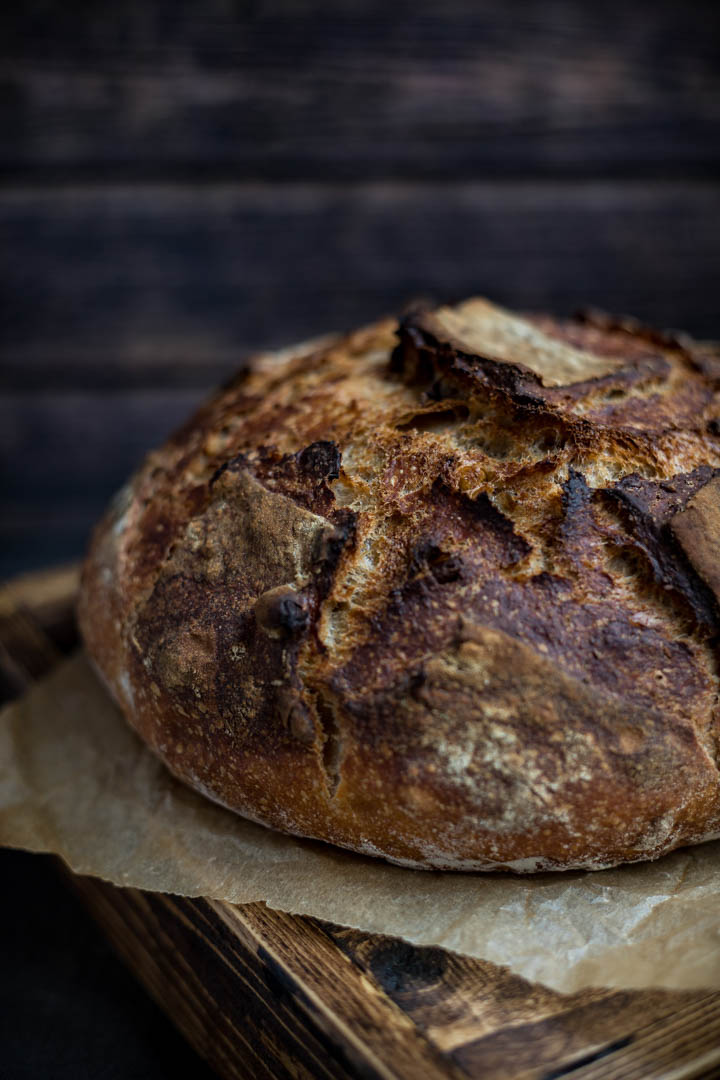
444	592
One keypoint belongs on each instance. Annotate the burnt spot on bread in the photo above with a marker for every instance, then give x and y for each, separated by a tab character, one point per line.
234	464
413	358
333	540
330	546
480	514
428	557
652	503
576	494
320	461
282	612
577	531
303	476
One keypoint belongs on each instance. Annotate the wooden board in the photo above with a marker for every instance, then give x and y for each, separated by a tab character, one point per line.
339	89
264	994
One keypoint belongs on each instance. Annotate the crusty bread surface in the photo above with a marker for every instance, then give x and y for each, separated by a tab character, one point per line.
445	591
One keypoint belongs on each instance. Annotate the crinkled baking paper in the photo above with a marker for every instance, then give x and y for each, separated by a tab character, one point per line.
76	781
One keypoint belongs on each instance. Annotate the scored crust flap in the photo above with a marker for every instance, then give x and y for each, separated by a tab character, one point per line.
482	329
697	528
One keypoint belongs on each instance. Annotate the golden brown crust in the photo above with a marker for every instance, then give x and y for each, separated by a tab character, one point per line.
445	592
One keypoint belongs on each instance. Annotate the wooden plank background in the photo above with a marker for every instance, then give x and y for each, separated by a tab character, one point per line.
183	183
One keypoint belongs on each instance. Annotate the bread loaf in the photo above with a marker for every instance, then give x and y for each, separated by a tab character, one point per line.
445	591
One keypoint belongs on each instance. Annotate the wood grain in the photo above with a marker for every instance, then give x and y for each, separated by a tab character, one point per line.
351	1007
265	994
316	89
161	285
26	652
485	1017
237	1012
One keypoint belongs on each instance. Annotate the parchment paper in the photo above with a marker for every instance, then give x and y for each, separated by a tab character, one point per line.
74	780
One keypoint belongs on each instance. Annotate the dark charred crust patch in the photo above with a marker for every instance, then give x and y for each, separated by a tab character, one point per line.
303	476
656	501
427	557
282	612
412	358
519	385
422	357
329	547
320	461
576	493
648	508
330	544
577	528
480	514
604	401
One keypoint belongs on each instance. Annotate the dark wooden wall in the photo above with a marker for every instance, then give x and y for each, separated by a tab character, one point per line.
183	182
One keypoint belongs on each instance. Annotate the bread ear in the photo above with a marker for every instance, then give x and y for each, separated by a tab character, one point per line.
482	329
697	529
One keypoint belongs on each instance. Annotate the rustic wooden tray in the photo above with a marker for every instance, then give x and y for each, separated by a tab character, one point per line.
263	994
